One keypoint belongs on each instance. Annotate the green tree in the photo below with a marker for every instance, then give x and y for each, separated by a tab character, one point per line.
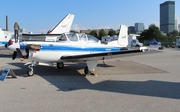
152	32
94	33
145	35
74	31
112	32
174	33
101	34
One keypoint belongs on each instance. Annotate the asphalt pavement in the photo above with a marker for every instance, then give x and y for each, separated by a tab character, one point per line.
142	83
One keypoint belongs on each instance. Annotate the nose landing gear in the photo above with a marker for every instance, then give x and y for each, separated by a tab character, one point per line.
30	72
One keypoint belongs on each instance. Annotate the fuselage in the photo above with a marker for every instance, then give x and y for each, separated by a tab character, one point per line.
53	51
67	44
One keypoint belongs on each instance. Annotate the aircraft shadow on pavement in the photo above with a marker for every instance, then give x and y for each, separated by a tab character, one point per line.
69	79
69	69
5	55
150	88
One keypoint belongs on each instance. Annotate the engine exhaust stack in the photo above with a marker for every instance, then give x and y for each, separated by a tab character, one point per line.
6	23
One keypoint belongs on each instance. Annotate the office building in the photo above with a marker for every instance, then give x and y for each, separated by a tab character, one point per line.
139	28
167	16
131	29
176	23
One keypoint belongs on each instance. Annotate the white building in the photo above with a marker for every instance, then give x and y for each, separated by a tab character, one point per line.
176	23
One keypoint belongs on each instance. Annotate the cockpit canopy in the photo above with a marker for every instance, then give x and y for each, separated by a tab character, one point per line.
77	37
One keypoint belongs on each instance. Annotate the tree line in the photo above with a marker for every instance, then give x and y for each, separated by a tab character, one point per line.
153	32
101	33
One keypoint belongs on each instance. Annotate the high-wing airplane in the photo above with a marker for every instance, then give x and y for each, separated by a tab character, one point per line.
63	26
73	47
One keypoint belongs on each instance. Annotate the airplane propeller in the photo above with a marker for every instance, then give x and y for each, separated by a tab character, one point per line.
15	46
11	42
14	55
18	52
27	52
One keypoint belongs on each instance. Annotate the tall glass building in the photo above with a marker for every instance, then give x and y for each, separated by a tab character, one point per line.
139	28
167	16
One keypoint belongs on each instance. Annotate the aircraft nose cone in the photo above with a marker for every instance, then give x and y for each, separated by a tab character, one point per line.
14	46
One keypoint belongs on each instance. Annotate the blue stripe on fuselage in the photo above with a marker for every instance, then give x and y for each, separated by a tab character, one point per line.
71	48
3	42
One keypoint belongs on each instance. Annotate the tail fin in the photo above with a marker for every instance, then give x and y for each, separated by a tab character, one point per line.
123	36
64	25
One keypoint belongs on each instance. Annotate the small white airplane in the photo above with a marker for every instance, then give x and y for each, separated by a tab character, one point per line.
73	47
4	38
63	26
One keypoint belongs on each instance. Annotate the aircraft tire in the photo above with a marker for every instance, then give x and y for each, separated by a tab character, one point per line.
60	65
86	71
30	72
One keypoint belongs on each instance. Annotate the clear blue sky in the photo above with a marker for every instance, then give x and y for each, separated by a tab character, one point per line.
42	15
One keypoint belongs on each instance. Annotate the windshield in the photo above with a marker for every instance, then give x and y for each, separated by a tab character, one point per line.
72	37
92	39
82	38
61	38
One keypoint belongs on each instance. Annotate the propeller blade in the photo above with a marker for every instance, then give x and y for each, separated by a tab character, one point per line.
20	54
14	55
27	53
16	31
16	36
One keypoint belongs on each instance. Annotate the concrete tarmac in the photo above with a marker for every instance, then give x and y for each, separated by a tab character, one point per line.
142	83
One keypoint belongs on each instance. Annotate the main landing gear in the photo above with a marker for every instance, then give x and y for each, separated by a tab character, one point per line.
86	71
60	65
91	65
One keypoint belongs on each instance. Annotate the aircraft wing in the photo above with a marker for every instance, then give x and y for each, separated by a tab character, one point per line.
107	55
40	37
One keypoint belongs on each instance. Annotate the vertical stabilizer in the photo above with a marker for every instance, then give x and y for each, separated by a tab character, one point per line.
64	25
123	36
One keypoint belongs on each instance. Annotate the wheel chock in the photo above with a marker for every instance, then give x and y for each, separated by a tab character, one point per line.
5	72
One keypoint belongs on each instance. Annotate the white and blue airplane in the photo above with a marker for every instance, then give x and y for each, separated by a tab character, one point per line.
63	26
73	47
4	38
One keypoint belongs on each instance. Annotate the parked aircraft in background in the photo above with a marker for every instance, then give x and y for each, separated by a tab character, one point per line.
73	47
63	26
4	37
